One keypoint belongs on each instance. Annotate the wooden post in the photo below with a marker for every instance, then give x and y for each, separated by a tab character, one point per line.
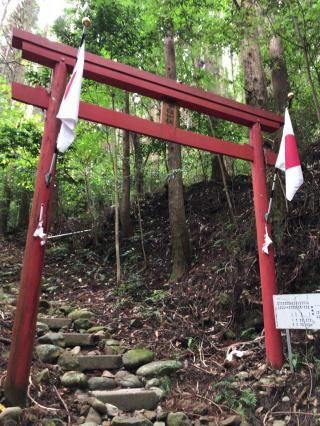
273	340
20	358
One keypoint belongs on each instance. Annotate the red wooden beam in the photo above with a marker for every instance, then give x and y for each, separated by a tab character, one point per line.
45	52
266	261
39	98
17	378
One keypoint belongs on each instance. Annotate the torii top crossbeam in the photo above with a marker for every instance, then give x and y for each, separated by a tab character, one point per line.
48	53
62	59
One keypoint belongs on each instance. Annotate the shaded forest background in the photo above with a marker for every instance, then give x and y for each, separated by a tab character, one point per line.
251	51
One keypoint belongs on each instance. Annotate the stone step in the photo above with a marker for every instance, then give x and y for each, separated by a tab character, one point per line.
77	339
55	323
69	339
99	362
129	399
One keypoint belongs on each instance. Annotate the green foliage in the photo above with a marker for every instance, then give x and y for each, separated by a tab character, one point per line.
158	296
232	395
248	333
133	288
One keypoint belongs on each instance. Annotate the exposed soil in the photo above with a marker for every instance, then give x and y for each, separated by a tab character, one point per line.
216	307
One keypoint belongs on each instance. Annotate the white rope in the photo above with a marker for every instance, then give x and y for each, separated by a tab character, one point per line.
53	237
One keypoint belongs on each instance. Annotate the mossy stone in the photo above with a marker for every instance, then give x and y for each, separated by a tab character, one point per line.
134	358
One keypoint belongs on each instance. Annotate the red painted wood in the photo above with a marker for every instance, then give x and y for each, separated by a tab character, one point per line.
273	341
17	378
39	97
47	53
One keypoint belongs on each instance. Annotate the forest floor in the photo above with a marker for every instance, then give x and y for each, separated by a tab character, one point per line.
214	309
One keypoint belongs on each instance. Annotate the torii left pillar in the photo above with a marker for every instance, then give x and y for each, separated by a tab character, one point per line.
24	328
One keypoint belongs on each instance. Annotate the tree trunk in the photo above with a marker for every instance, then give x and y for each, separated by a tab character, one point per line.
280	89
179	232
308	66
255	85
280	79
5	201
24	209
138	170
126	224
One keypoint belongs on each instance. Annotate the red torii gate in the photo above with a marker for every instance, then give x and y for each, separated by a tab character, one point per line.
62	59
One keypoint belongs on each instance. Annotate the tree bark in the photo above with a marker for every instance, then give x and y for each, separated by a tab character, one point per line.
255	85
24	209
5	201
179	231
126	223
308	66
138	169
279	74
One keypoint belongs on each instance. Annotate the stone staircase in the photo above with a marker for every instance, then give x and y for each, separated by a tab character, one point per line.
120	386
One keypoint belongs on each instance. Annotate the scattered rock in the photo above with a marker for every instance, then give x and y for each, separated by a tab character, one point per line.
76	350
53	338
74	379
231	421
150	415
161	415
155	382
127	380
112	410
279	423
161	393
97	405
97	328
43	376
80	313
131	421
42	328
82	324
10	413
69	362
134	358
93	416
48	353
178	419
113	349
101	383
107	373
159	368
112	342
285	399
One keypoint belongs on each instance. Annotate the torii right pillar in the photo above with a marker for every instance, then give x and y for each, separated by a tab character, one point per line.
273	340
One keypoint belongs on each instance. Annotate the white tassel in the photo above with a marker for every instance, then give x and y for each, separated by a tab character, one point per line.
267	241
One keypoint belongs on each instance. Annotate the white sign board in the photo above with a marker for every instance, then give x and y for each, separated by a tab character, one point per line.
297	311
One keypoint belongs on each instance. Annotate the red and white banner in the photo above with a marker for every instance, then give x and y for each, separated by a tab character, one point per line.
69	108
288	159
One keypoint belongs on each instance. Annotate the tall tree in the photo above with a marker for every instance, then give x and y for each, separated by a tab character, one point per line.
179	231
279	74
255	84
24	17
126	224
